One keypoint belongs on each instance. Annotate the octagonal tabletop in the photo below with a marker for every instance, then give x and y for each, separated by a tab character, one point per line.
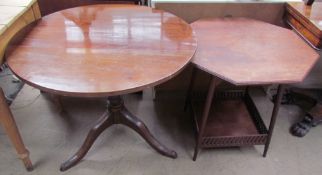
102	50
249	52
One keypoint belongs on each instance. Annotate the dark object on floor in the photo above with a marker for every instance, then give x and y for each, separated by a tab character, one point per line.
308	100
300	97
10	84
311	119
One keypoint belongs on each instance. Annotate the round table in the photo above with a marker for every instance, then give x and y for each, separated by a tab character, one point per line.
103	51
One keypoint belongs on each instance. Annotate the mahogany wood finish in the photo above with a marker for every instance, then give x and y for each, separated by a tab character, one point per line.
117	114
306	20
205	114
51	6
277	103
100	51
10	127
244	52
103	50
268	54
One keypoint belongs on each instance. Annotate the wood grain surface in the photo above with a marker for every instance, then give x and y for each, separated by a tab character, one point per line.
50	6
310	14
306	20
249	52
102	50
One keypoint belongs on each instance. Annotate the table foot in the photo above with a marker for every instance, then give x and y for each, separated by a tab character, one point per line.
104	122
116	114
195	154
137	125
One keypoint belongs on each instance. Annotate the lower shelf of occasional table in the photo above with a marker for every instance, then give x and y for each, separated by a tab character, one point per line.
233	121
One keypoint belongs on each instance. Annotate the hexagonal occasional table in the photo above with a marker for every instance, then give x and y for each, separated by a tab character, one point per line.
243	52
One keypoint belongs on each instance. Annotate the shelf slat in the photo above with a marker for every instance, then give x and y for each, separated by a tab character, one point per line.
230	123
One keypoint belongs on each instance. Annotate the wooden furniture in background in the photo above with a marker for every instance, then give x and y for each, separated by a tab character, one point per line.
306	20
104	51
14	15
10	127
51	6
243	52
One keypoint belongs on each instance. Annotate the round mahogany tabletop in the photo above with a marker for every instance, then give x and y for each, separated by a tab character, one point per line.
102	50
249	52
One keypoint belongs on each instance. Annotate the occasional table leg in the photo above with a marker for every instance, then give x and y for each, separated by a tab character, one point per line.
117	114
10	127
189	93
277	104
205	115
104	122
